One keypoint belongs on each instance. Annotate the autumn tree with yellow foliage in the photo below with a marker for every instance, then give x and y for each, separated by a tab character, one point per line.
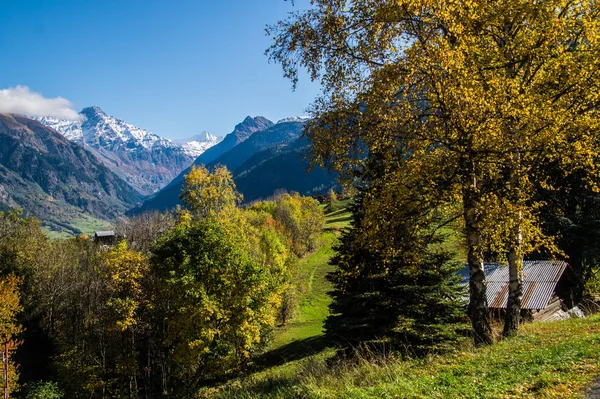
465	96
10	327
221	277
207	193
123	271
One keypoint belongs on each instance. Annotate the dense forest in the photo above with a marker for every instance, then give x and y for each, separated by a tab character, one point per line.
182	299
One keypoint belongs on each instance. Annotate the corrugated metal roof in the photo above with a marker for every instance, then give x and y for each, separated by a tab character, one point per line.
539	281
536	295
488	269
538	271
105	233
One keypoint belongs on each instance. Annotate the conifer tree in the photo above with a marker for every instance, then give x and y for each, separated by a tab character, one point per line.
404	288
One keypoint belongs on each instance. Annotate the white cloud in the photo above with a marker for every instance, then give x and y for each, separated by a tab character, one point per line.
21	100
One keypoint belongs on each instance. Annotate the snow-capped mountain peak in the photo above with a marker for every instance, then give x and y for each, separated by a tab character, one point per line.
206	136
100	129
93	110
144	159
196	145
299	119
202	137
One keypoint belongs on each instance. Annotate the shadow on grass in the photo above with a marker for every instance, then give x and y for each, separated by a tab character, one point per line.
295	350
340	219
269	387
278	385
336	212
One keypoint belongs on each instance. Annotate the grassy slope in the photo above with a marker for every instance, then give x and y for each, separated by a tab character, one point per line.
314	307
83	223
548	360
314	267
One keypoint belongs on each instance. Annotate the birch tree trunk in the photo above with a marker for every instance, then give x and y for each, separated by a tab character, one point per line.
515	255
515	293
478	305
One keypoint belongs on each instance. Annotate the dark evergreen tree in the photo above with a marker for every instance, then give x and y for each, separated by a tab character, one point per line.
410	297
571	213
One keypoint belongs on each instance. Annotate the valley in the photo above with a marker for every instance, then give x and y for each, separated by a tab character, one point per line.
265	158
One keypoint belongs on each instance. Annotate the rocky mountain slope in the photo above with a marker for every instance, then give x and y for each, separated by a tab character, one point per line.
266	161
55	179
143	159
168	197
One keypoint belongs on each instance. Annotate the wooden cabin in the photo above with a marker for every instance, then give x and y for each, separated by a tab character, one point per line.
105	237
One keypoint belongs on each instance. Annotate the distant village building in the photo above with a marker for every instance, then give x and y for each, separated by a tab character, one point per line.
105	237
539	287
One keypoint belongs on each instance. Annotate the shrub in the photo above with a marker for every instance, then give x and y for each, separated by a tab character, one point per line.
44	390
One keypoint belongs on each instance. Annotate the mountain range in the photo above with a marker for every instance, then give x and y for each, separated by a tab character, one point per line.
143	159
70	174
263	156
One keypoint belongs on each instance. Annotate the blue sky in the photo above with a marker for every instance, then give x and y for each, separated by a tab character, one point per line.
175	67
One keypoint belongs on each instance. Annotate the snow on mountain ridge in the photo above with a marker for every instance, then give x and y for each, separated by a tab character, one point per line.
196	145
99	129
202	137
195	148
299	119
72	130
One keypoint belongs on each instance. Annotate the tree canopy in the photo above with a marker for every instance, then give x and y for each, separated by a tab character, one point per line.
207	194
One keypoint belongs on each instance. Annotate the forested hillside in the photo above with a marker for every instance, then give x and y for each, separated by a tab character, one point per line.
180	300
282	167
